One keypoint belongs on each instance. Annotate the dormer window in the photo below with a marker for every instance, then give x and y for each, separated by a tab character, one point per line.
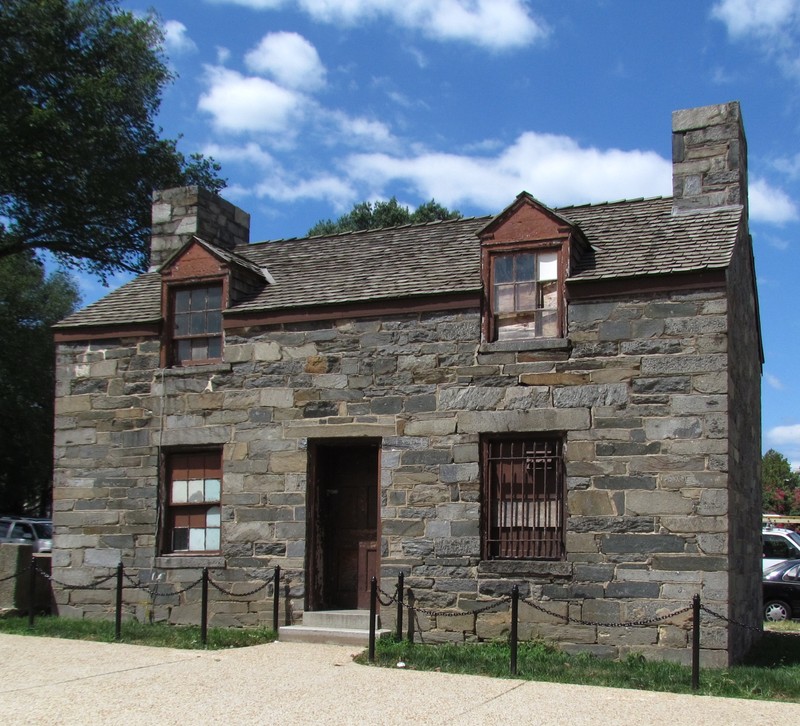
196	324
525	259
525	294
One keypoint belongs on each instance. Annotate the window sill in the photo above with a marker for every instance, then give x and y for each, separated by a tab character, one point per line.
525	568
192	370
189	562
529	344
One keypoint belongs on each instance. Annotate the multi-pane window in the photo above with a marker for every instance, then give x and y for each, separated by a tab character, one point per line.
523	498
193	516
525	294
197	324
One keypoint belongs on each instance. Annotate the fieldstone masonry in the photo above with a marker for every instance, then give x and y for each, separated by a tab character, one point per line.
656	394
647	462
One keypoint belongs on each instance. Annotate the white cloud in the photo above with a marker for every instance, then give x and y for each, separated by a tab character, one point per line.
250	154
176	38
289	59
759	17
337	191
788	165
770	204
492	24
773	382
275	182
785	435
254	4
553	168
360	130
771	25
240	104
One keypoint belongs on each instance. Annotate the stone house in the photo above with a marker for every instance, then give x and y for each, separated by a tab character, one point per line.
564	399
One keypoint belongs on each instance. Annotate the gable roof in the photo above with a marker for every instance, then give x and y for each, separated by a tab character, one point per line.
630	238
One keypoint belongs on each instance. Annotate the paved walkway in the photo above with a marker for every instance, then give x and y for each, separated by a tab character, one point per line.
51	681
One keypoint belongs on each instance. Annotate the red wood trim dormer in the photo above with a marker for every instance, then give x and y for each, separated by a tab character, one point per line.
194	265
525	226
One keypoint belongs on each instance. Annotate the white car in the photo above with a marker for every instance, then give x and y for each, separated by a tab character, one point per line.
35	532
779	545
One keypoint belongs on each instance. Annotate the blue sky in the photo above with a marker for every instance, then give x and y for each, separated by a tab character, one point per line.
313	105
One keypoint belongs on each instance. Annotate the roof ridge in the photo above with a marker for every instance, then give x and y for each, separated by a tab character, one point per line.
358	232
610	203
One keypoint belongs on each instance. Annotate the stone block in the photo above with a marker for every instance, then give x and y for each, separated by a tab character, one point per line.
689	562
695	524
589	503
491	626
625	590
457	546
591	396
457	473
281	462
641	543
431	427
523	421
429	494
656	502
470	399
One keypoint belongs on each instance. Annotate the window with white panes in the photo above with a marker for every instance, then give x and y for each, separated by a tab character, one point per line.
194	515
525	294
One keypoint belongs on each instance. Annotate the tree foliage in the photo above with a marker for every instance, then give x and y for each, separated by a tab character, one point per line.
81	83
30	303
780	486
369	215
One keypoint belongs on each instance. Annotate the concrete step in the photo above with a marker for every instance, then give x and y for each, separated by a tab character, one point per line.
343	627
347	619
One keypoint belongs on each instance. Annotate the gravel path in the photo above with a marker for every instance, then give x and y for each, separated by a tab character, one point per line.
52	681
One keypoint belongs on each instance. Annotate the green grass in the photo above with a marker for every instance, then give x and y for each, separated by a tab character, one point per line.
156	634
772	670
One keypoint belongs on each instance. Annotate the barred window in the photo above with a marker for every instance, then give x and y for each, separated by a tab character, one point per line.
523	498
197	324
193	517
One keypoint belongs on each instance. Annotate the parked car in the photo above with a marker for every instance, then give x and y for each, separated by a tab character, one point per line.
24	530
781	588
778	546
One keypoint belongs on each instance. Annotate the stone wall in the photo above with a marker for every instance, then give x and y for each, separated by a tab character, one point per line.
641	394
744	467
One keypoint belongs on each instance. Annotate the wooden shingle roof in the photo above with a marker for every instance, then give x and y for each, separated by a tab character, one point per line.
630	238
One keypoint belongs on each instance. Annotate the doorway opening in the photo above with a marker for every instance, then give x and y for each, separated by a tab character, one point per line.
342	523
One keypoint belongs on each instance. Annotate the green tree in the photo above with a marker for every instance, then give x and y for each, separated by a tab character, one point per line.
81	83
368	215
780	486
30	303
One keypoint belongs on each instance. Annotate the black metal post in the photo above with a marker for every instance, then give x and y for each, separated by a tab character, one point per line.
31	592
276	587
373	612
514	612
118	619
204	609
400	580
696	642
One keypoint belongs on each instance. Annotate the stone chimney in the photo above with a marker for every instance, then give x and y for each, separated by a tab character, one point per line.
185	212
709	158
